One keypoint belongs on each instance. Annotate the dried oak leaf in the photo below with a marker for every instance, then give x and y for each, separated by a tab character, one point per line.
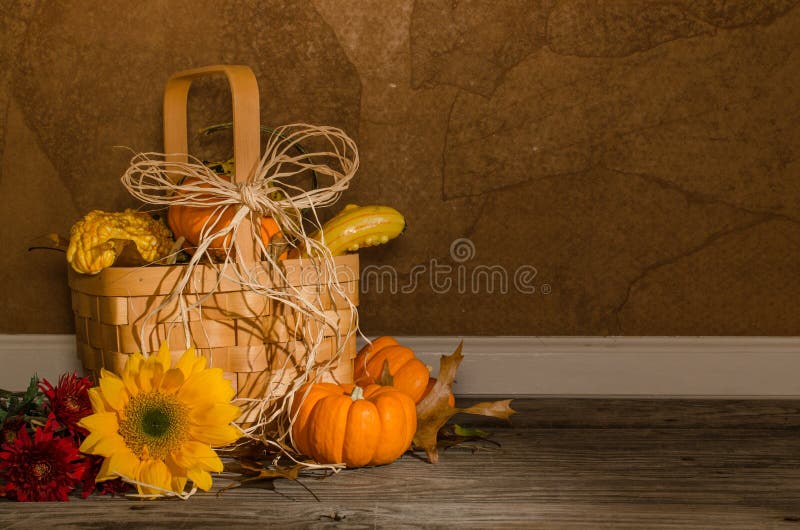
496	409
434	410
386	378
254	475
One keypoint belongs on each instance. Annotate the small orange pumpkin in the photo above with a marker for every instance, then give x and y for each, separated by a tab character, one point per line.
188	221
378	344
409	373
353	425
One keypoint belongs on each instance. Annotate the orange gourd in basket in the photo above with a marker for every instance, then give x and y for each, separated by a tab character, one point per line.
409	374
188	222
353	425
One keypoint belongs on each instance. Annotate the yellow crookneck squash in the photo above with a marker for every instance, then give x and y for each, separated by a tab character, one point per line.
356	227
353	425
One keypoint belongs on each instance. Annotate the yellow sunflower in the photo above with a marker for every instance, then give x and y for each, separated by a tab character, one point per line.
157	424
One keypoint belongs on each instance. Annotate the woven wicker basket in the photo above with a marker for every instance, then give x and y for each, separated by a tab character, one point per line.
245	334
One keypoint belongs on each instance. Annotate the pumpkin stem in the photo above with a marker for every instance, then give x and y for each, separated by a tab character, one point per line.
357	393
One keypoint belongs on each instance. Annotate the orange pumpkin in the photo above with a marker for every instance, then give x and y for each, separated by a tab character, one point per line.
378	344
188	221
353	425
409	373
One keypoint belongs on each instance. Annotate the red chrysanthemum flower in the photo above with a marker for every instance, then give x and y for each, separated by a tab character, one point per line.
69	400
46	468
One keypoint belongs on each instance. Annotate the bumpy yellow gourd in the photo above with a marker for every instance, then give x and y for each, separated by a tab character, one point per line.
357	227
94	241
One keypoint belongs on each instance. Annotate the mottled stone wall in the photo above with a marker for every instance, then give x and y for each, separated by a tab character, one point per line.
633	165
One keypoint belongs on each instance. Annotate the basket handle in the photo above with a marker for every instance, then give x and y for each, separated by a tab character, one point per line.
246	129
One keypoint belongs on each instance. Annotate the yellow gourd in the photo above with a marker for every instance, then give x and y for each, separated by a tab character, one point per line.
97	240
357	227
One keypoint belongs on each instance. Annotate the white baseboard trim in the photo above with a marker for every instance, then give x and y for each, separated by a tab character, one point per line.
47	356
752	367
718	367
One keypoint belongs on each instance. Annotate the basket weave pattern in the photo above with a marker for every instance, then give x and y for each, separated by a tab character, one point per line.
244	333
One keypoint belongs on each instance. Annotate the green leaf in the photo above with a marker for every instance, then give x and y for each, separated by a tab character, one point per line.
469	432
33	390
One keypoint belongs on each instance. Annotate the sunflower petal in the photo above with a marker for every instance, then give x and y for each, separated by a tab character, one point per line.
134	364
207	386
175	464
163	357
216	414
103	423
178	483
129	380
105	472
201	479
99	404
199	455
122	463
186	362
199	364
214	435
113	389
157	371
172	381
145	377
102	444
154	473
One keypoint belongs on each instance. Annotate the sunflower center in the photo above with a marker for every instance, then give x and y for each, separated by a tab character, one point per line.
154	421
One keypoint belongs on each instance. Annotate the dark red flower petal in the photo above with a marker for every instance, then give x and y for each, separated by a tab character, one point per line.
69	401
45	468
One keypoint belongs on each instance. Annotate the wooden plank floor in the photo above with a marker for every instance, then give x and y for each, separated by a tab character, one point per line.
564	464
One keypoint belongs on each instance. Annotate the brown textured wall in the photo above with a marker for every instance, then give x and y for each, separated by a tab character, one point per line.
640	155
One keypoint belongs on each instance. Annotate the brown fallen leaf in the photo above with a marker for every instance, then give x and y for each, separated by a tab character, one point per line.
248	450
496	409
256	476
434	410
386	378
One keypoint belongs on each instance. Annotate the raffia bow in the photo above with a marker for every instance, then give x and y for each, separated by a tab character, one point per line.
269	191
